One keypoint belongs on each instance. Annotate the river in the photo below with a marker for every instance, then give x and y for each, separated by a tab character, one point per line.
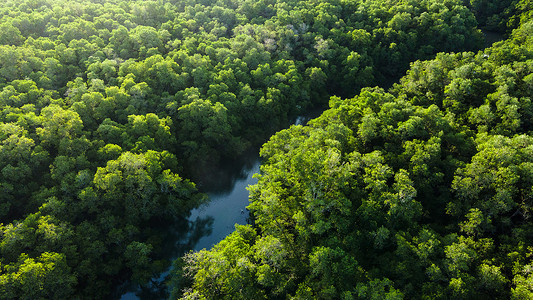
212	222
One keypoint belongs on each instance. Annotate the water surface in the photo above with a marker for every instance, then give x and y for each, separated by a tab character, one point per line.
209	224
226	207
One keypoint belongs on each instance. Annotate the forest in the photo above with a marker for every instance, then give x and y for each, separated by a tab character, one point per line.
415	183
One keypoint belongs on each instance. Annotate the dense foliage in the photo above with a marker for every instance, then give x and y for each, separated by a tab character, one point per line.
104	104
227	72
422	192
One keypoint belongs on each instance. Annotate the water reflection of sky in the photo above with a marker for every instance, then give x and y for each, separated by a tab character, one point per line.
227	209
212	222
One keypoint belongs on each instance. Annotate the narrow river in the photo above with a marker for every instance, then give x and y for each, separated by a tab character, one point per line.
212	222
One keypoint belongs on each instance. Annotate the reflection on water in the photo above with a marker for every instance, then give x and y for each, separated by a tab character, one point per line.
207	225
172	242
311	114
491	37
227	206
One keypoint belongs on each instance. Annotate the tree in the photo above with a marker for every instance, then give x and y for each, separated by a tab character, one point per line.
47	276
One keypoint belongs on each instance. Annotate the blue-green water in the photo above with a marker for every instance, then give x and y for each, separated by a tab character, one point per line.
227	208
210	223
